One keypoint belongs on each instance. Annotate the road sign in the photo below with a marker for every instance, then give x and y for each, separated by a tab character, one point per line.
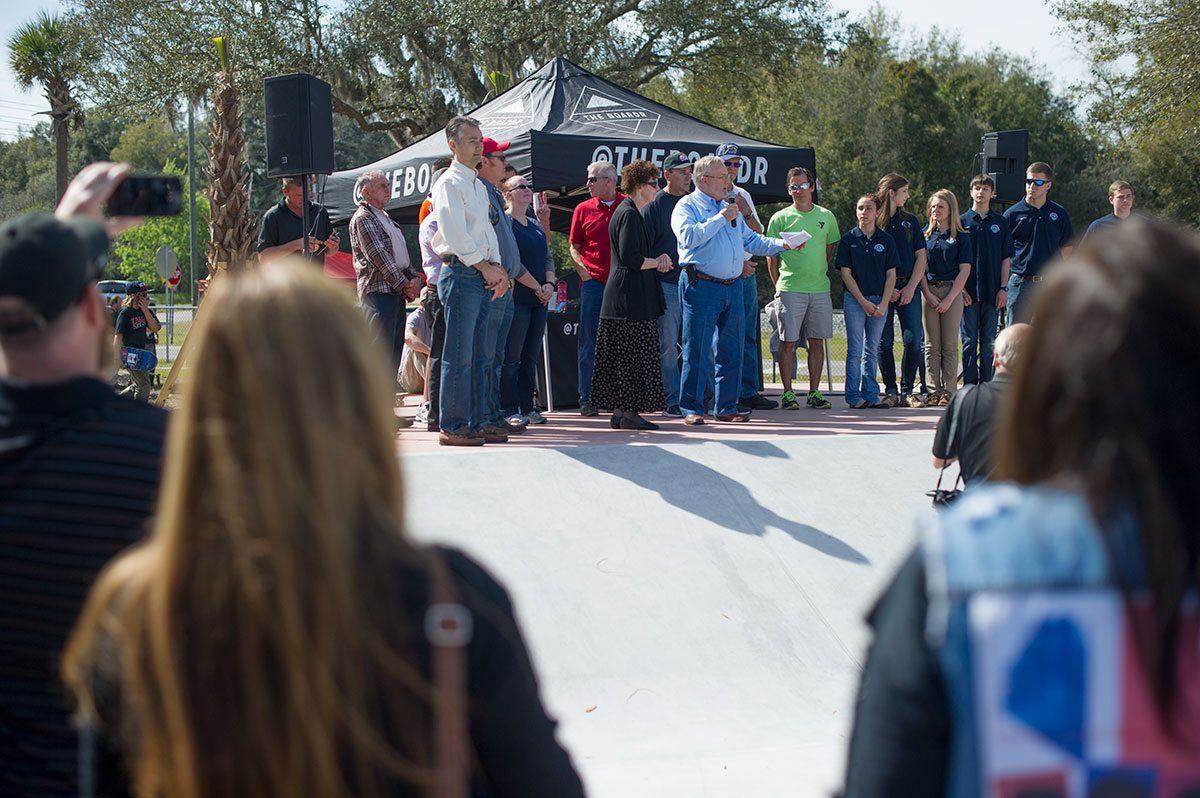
165	261
176	275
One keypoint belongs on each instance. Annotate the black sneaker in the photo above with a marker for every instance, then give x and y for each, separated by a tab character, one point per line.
757	402
673	412
587	409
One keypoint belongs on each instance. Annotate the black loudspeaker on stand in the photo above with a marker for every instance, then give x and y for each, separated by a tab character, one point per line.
1005	155
299	125
299	131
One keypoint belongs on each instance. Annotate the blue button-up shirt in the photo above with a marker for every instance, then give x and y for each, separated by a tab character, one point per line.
709	242
1038	234
991	240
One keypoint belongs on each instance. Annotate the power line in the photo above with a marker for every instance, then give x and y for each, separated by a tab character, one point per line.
17	104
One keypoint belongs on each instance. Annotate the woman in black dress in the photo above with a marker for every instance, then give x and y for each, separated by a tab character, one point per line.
627	376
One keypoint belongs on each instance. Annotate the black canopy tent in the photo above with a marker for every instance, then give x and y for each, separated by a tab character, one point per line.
560	119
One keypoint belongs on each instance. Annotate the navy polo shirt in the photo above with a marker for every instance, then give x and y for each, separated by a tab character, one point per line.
991	243
657	216
1102	222
908	239
944	252
868	259
1038	234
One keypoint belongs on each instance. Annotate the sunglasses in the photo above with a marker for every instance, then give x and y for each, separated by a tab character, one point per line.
800	187
503	158
734	162
597	179
1032	181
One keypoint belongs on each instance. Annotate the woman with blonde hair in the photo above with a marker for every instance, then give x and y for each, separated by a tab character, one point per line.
269	639
948	265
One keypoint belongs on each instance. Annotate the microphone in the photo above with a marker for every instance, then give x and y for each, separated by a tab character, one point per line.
731	198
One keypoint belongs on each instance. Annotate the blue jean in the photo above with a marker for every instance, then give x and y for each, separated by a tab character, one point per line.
1020	299
500	318
465	306
385	313
519	375
862	346
591	296
709	306
978	339
669	324
751	363
912	334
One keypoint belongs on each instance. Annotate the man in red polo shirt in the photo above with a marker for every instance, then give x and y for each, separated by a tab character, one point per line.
590	253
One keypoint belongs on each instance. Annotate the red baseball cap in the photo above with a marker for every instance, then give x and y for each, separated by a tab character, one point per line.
490	145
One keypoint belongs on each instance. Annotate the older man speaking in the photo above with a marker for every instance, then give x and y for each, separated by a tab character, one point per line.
713	239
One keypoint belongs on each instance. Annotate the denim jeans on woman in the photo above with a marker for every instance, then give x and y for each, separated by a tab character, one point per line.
910	333
519	376
862	347
465	307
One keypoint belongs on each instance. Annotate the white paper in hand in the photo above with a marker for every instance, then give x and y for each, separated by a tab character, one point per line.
794	240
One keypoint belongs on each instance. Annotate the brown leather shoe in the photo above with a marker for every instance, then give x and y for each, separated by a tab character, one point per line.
493	434
693	420
459	439
731	417
513	429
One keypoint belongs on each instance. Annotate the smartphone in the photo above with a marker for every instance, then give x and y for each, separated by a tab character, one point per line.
147	195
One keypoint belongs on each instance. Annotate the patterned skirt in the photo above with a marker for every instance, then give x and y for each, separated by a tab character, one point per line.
627	374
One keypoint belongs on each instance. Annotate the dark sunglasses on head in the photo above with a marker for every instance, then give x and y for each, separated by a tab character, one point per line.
801	187
1036	182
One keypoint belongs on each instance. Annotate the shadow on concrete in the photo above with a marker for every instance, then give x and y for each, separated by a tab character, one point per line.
706	492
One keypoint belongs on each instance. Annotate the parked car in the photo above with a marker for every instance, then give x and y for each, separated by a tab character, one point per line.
116	288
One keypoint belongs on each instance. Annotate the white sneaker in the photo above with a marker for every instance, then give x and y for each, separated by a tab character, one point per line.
534	417
422	416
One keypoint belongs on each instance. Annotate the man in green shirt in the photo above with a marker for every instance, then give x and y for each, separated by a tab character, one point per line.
802	285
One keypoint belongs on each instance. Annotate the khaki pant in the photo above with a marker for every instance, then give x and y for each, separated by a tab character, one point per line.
942	340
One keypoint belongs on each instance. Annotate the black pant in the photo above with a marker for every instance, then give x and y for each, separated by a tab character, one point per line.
433	371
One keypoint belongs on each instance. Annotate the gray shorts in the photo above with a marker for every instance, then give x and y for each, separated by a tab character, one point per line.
804	316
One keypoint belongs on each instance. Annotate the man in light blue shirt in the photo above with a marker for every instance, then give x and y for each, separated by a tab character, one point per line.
713	239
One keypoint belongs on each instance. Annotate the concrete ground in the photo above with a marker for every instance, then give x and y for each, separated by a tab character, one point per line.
692	597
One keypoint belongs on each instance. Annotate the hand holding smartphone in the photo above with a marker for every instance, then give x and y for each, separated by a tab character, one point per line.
146	195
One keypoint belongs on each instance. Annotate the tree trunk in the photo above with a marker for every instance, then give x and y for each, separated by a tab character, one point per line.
62	140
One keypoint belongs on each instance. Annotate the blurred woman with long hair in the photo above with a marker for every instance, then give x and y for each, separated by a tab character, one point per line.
267	640
1045	636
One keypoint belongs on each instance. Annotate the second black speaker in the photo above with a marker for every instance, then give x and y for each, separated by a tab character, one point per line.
299	125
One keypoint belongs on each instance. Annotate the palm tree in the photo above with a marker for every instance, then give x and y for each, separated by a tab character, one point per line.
49	51
231	227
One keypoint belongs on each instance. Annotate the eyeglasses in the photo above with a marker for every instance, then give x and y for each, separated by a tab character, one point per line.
801	187
1035	182
716	177
503	158
734	162
519	185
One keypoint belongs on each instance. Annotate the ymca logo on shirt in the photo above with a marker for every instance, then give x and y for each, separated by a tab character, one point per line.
1053	216
995	228
880	247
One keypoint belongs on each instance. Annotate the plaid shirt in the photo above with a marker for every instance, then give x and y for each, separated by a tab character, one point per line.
379	270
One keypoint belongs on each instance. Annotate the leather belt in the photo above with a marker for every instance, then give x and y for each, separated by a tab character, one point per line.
1033	278
694	274
941	282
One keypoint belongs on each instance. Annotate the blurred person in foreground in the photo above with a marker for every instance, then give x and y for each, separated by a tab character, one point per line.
270	639
79	467
628	374
1043	639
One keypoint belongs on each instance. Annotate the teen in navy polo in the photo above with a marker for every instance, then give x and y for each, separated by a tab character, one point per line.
987	288
868	262
1120	196
890	196
1041	229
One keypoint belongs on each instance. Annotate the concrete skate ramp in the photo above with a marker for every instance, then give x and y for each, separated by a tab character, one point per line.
694	610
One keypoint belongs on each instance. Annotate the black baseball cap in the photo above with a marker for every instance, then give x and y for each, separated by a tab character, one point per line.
676	160
46	262
136	287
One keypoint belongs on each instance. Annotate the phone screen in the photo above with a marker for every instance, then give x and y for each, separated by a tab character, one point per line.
147	195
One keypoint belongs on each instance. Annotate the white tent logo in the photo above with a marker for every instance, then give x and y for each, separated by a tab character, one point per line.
511	115
613	115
